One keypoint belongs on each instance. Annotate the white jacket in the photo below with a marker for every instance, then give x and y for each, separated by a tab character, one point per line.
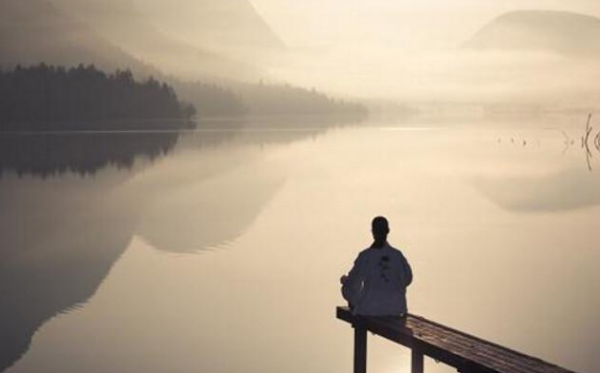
376	285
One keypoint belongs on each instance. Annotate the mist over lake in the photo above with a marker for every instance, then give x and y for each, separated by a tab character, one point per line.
219	250
221	186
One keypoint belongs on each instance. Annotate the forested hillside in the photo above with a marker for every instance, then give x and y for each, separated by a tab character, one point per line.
84	98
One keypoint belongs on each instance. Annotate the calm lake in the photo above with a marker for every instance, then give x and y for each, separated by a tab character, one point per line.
220	250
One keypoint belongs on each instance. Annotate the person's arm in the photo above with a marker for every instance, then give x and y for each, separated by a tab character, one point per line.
403	271
408	275
353	282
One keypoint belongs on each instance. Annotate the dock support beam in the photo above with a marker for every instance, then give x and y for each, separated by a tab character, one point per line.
360	349
416	361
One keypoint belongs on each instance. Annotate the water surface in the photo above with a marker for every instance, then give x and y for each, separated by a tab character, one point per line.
220	250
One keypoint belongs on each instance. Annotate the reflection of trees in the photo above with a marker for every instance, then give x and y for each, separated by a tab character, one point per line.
60	236
589	142
586	140
569	189
60	233
50	154
84	154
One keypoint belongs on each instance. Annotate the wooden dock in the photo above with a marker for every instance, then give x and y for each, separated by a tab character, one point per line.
466	353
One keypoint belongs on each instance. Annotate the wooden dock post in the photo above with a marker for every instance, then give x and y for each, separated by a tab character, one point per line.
416	361
360	348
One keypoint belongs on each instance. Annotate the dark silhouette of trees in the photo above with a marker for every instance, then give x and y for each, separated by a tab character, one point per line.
84	98
285	99
51	98
211	99
229	98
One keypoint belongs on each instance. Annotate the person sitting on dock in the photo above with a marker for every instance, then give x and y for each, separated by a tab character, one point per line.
376	284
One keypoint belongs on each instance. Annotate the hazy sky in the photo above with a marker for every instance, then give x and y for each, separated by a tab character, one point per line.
407	49
409	23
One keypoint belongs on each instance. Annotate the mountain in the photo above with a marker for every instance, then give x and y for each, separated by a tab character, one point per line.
113	34
233	27
564	33
122	24
35	30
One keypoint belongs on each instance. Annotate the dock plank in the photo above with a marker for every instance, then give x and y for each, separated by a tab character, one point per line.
463	351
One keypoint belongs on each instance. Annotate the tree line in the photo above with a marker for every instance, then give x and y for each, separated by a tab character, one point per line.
46	97
210	99
228	98
285	99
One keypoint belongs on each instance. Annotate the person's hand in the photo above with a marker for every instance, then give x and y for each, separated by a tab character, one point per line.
343	279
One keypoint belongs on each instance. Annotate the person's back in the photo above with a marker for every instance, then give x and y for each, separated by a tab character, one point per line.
376	285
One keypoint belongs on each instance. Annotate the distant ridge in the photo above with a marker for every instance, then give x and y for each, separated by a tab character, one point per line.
122	23
33	31
230	26
564	33
107	33
114	34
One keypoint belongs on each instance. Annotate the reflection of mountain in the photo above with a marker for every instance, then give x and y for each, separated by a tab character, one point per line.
58	242
565	33
568	190
51	154
200	214
34	30
61	234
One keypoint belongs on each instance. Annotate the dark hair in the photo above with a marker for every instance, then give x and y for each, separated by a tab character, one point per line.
380	224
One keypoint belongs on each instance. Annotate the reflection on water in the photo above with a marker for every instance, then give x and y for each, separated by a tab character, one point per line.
60	235
61	232
54	255
562	190
85	154
559	189
500	234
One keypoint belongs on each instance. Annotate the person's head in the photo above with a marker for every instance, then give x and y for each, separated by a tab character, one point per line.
380	229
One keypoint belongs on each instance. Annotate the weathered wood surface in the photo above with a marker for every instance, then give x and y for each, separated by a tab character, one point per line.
462	351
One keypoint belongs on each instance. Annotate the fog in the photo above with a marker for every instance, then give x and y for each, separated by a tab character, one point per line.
423	24
523	55
412	51
270	94
404	51
452	76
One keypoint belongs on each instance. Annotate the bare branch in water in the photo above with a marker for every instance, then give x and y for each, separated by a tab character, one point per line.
568	142
588	130
585	142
